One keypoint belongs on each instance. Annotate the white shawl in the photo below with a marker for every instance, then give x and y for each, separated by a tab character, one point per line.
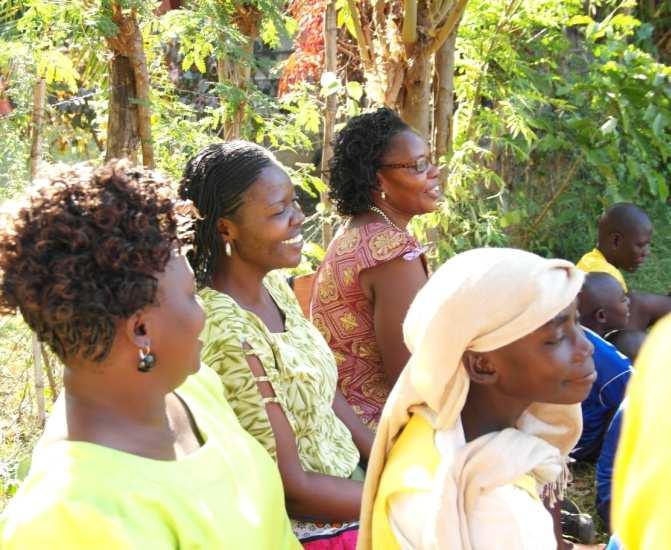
479	300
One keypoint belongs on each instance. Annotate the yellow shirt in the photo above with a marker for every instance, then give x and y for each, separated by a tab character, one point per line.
227	494
595	261
511	516
641	509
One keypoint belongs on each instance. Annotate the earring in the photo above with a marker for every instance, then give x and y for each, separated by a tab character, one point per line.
383	195
147	360
227	249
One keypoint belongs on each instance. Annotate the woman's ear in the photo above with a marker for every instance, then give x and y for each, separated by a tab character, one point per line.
600	315
226	229
479	367
137	329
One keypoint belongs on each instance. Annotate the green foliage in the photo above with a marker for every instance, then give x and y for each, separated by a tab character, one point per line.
62	41
560	114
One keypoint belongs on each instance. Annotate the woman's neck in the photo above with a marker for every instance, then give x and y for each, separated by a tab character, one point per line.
401	219
241	281
487	410
101	397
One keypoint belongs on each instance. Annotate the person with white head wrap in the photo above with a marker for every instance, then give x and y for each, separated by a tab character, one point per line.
484	307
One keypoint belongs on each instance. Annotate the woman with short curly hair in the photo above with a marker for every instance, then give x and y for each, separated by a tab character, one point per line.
381	177
141	449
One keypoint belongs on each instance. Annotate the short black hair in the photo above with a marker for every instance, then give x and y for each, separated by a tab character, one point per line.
357	150
215	180
83	252
622	218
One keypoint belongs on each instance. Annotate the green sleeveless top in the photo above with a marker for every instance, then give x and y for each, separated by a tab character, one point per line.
298	364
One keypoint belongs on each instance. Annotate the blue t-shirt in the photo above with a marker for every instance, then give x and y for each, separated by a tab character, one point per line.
613	370
604	466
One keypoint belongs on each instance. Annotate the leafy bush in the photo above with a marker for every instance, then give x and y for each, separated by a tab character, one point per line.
559	115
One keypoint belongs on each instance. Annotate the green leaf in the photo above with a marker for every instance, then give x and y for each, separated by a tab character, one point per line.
579	20
354	90
658	125
200	64
187	62
663	189
344	17
313	250
55	67
23	468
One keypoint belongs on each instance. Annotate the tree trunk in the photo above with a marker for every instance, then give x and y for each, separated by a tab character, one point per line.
444	97
238	72
122	134
330	111
415	106
142	89
129	70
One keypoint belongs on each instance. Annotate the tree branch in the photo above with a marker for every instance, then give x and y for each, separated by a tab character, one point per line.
448	27
409	31
364	46
560	191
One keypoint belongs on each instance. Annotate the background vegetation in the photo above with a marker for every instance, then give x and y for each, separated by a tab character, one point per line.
543	112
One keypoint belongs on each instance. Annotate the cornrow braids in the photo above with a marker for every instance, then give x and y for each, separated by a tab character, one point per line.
215	180
357	151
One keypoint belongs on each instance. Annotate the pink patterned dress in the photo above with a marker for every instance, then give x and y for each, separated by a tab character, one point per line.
344	316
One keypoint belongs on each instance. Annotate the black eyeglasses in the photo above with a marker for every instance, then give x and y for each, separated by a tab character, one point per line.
421	165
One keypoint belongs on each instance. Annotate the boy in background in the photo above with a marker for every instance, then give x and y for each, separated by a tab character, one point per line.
624	237
603	307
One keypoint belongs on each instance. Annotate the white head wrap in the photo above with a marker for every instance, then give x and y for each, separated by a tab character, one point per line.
480	300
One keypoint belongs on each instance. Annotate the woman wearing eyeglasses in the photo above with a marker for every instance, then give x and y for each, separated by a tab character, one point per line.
381	177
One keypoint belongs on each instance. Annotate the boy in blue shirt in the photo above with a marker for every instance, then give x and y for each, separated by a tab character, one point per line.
629	343
603	307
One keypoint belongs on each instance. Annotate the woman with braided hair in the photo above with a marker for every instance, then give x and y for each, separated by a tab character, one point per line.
141	449
278	372
381	177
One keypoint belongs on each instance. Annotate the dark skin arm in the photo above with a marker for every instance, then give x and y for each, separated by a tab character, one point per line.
646	309
391	287
361	434
308	495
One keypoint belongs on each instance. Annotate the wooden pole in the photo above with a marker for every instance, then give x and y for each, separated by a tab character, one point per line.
39	95
330	111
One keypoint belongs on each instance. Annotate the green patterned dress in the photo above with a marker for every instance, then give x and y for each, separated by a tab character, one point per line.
298	364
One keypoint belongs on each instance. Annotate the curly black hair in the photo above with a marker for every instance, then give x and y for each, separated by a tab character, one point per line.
215	180
357	151
83	252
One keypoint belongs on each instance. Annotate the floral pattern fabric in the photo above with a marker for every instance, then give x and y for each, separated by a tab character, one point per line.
344	316
298	364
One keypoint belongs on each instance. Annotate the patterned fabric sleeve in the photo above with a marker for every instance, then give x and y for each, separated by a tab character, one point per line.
227	344
382	243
